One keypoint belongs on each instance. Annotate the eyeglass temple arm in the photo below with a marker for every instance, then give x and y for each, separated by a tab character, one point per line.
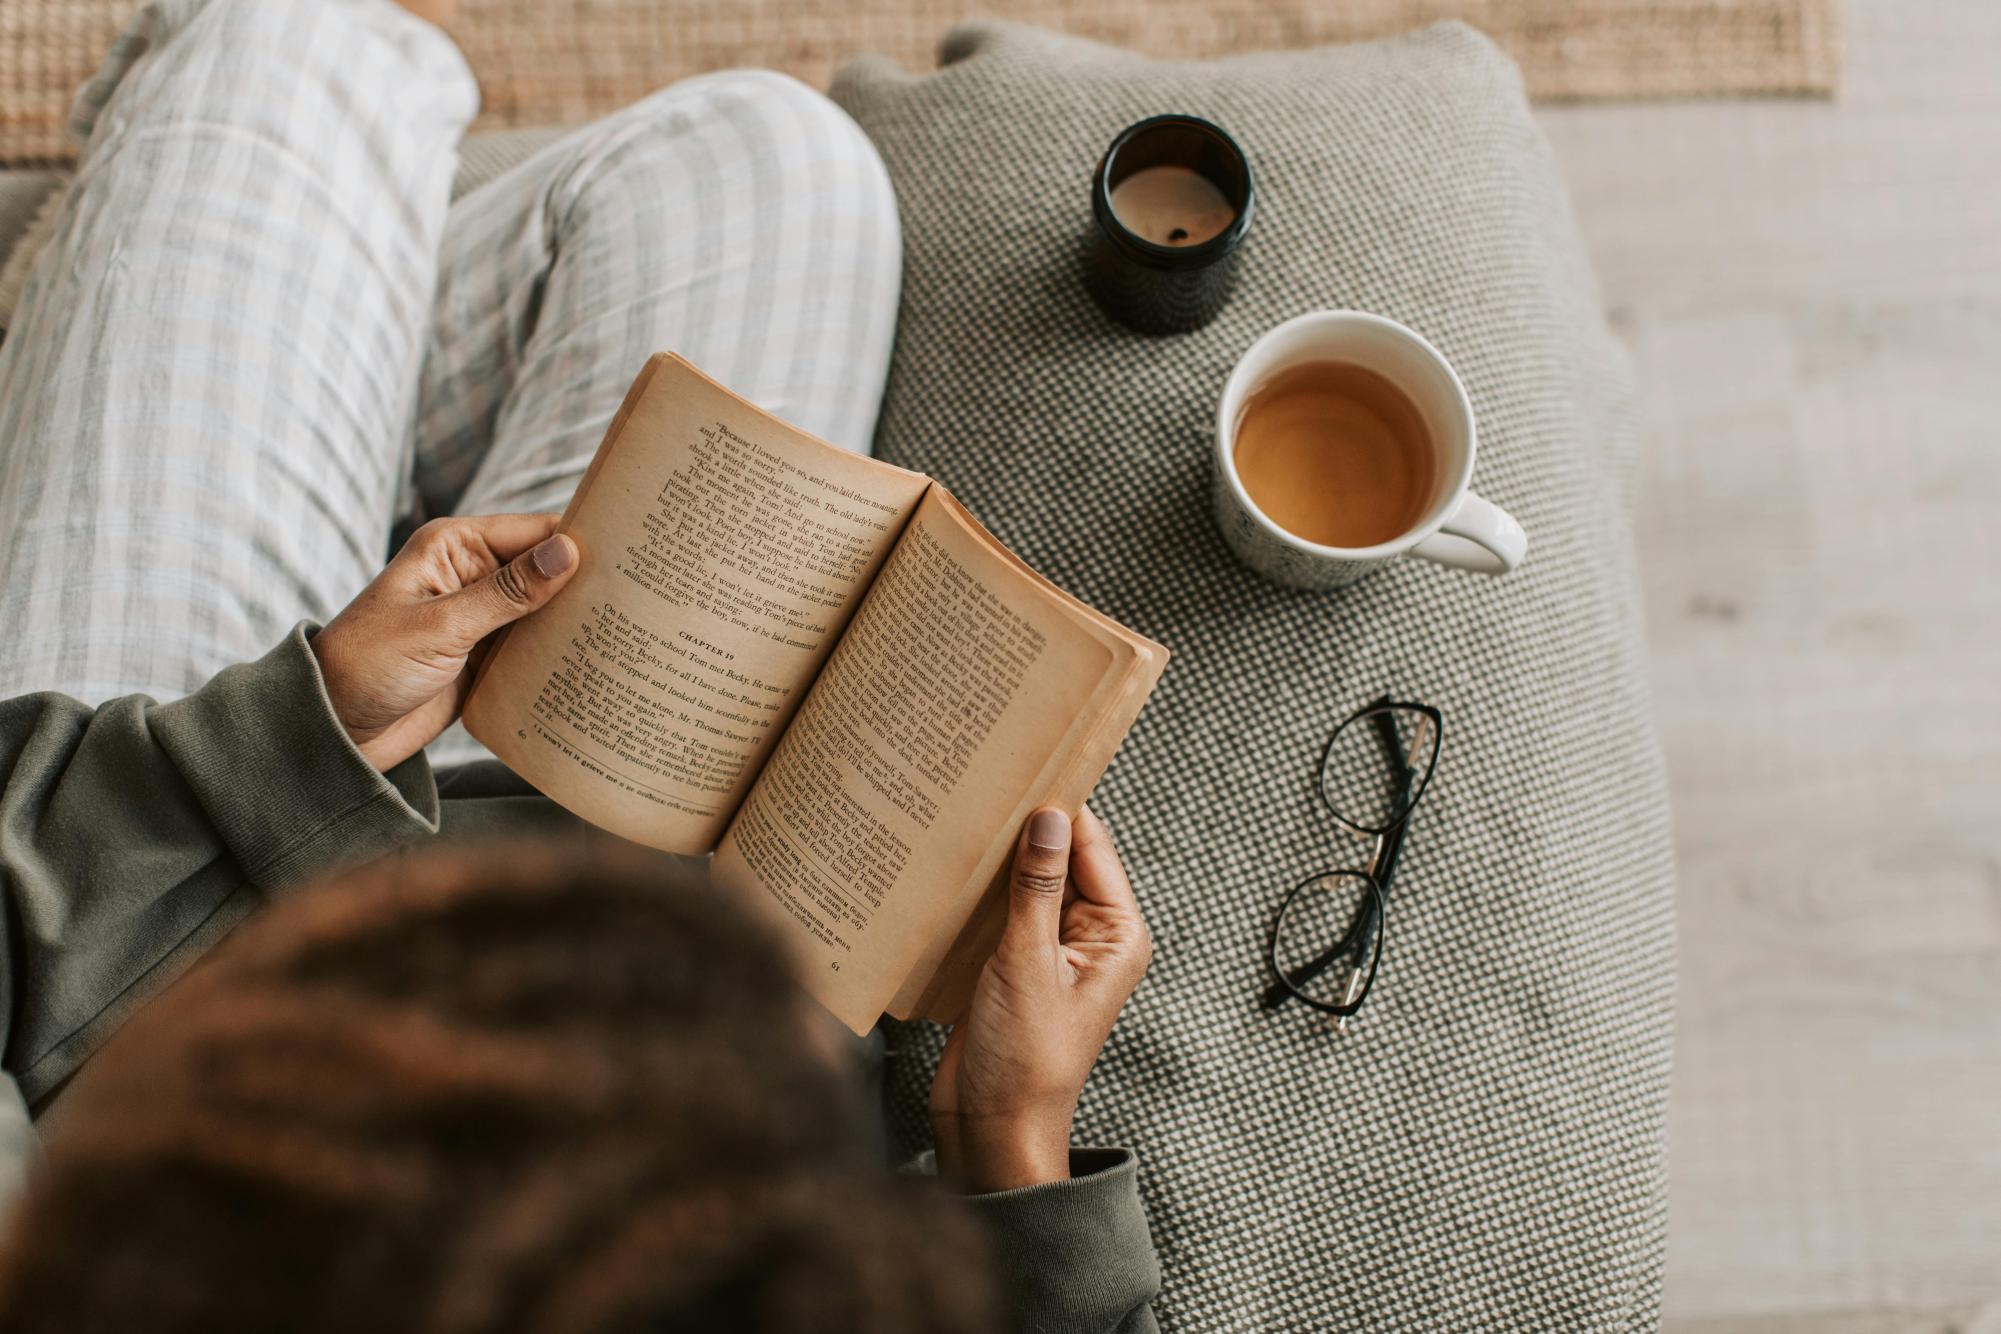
1405	775
1362	930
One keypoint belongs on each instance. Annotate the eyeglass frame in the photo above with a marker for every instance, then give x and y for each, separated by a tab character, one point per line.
1381	868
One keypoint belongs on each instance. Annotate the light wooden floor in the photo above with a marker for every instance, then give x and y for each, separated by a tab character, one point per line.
1812	294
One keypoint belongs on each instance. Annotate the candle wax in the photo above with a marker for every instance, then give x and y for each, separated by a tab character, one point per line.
1174	206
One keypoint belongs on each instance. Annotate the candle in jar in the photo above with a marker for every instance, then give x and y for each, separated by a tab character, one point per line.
1172	199
1172	206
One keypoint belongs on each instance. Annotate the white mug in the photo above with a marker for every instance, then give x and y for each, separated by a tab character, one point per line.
1457	528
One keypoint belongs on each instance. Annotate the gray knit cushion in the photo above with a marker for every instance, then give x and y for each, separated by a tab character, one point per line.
484	157
27	199
1485	1148
21	196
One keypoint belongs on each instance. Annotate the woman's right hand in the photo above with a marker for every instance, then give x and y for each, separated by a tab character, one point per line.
1074	949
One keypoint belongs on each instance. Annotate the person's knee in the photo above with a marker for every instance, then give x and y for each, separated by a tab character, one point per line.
791	141
300	37
274	69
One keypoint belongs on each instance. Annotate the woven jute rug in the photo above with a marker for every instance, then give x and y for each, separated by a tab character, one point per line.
547	62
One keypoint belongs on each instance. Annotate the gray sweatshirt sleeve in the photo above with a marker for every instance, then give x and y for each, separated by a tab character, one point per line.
1076	1256
135	834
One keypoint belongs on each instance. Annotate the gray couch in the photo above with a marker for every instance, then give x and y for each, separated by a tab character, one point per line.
1486	1148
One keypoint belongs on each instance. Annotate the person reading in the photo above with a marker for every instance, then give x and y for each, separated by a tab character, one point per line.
822	669
260	340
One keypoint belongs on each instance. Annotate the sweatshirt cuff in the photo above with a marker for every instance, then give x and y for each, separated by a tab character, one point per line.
1076	1254
283	784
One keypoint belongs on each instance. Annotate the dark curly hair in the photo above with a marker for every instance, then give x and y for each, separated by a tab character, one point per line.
514	1093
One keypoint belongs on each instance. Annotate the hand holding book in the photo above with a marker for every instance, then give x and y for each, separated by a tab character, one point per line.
1075	946
398	660
820	668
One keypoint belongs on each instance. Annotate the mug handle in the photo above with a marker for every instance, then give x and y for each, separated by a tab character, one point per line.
1479	535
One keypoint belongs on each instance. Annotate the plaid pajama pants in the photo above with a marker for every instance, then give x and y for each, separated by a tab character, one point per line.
262	331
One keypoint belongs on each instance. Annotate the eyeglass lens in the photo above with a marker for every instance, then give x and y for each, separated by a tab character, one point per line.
1376	766
1327	931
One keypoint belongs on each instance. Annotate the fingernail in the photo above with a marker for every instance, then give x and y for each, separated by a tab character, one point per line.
1049	830
553	555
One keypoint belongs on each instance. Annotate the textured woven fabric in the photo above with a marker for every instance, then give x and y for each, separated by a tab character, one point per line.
28	204
1485	1148
548	61
22	194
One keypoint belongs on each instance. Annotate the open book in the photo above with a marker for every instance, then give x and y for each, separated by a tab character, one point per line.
819	667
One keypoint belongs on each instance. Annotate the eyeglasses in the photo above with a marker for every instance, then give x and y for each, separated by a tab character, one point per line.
1327	941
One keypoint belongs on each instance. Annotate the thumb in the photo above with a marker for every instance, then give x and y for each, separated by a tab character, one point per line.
522	585
1035	890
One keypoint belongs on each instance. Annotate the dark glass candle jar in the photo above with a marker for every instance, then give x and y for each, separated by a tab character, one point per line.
1166	265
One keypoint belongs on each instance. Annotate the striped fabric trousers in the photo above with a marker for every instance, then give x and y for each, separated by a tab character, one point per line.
263	333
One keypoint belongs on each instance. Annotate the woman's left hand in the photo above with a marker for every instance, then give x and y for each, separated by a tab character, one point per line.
399	659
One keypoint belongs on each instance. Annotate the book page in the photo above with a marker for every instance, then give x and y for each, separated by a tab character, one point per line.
962	692
723	553
940	982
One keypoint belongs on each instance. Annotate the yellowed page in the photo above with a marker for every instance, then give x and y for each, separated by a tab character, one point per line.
723	552
961	692
941	980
